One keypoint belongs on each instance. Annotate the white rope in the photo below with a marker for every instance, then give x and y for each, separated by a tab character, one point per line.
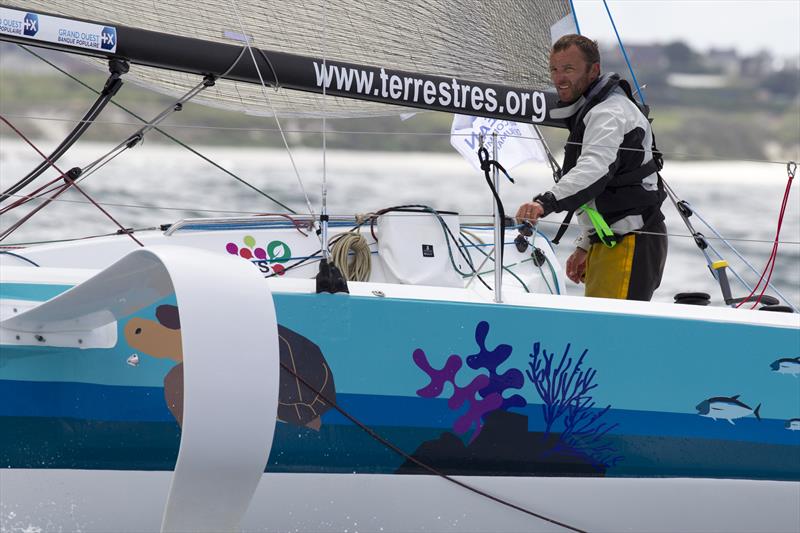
265	93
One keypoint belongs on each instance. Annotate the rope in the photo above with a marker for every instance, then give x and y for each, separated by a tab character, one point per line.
791	167
70	182
540	221
359	268
489	257
369	431
77	174
683	155
265	93
575	17
130	142
624	53
745	261
12	254
159	130
117	68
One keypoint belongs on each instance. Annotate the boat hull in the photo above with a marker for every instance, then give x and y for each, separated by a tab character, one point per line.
110	501
566	406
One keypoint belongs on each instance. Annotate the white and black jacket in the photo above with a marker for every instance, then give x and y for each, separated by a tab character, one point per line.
609	162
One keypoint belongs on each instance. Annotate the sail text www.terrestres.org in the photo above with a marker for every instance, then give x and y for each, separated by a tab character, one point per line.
452	94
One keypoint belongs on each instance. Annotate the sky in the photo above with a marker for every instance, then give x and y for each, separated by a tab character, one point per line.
746	25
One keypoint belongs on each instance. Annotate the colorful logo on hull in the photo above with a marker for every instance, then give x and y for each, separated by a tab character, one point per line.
267	259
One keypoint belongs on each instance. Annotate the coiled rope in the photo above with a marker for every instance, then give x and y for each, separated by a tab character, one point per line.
355	267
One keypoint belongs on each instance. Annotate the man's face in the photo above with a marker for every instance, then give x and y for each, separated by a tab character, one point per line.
571	73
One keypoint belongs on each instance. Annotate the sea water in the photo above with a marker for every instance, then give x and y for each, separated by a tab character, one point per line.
158	184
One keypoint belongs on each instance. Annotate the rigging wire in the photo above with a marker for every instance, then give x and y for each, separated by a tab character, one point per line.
625	54
128	143
265	93
791	167
488	257
325	129
337	215
117	69
685	214
158	129
70	182
77	174
745	261
324	210
555	168
682	155
575	17
372	433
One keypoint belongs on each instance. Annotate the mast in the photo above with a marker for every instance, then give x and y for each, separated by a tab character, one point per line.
291	71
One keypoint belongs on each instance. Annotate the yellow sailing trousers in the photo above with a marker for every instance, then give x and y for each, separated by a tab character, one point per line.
630	270
608	270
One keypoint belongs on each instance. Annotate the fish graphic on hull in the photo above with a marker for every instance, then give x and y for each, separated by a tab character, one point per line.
726	408
787	365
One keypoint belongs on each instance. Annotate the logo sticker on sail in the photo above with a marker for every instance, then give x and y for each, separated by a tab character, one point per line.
108	38
30	24
58	30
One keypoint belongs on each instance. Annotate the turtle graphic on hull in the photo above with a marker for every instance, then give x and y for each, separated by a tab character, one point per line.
297	403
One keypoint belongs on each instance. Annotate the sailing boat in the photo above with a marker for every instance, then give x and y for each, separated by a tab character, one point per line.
170	385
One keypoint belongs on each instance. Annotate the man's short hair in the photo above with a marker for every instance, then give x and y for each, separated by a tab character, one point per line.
587	47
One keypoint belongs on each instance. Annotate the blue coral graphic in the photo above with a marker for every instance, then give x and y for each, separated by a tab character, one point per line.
564	389
575	431
490	360
489	388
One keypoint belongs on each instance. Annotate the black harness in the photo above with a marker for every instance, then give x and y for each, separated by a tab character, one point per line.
574	146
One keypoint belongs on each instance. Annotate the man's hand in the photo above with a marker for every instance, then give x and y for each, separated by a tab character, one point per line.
576	265
530	211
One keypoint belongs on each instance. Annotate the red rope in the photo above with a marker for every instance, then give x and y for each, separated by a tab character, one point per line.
62	189
770	266
35	194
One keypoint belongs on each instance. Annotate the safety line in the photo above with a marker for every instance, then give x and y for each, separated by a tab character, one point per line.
684	155
142	120
350	216
70	183
372	433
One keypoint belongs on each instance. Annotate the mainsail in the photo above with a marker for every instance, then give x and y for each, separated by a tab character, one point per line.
416	53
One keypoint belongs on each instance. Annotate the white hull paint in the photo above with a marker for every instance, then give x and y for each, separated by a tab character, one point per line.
116	501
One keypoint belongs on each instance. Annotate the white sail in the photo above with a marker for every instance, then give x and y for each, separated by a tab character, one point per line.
503	42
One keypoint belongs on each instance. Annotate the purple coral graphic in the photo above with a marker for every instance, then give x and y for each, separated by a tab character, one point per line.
438	377
490	388
564	391
490	360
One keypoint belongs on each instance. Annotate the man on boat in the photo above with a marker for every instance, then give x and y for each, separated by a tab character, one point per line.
610	176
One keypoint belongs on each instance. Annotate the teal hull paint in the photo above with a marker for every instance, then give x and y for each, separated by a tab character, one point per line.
30	291
70	443
648	364
651	364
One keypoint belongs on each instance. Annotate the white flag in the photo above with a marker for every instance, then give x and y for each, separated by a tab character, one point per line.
516	143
